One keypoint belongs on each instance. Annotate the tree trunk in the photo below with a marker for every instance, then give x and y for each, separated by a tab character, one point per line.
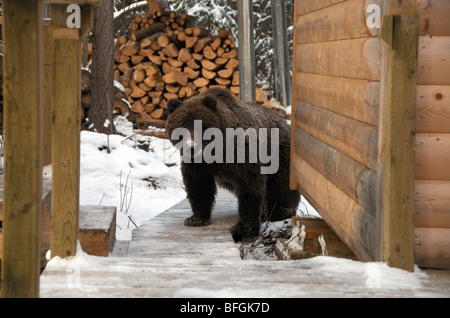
102	81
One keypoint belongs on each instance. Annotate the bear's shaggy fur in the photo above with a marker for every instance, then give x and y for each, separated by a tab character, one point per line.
260	196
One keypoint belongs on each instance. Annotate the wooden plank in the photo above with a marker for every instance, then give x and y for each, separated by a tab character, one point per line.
432	203
433	63
354	225
354	98
97	229
306	6
352	137
87	20
432	247
22	103
345	20
66	143
433	109
335	58
433	17
396	148
432	156
354	179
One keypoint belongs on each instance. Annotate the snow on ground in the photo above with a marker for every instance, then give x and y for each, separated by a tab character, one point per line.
115	171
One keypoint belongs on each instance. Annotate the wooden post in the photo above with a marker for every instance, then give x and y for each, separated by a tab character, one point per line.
396	140
65	134
246	51
293	184
23	104
281	52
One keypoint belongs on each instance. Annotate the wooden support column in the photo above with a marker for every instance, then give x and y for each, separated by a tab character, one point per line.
65	134
246	51
293	184
23	104
395	204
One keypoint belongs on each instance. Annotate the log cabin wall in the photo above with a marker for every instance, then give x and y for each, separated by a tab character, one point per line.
337	81
432	166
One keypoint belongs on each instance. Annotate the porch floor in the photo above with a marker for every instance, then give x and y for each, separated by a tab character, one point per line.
167	259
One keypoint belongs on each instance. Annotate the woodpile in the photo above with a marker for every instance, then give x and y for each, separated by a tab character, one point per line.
120	107
167	56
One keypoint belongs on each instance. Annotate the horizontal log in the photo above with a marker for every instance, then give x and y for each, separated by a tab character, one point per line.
353	138
432	203
433	19
432	247
432	156
432	109
354	98
354	225
306	6
345	20
354	179
433	61
354	58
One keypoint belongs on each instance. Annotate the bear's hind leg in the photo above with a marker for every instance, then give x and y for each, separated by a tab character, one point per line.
250	207
281	201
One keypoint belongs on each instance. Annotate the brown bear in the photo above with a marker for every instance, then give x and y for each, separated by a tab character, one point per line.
226	142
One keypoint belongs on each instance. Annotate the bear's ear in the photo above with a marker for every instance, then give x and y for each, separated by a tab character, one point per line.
172	104
210	101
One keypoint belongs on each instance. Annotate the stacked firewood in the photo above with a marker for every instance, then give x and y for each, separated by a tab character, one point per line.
121	105
167	56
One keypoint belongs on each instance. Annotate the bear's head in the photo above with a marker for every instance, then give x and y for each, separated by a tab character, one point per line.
188	120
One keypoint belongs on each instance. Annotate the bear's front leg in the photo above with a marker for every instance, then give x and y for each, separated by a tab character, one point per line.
201	192
250	207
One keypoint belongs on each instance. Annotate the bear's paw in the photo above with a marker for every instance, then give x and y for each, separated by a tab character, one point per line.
196	221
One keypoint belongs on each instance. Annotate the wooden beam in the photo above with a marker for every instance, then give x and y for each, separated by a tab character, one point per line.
65	136
23	105
87	20
396	142
293	184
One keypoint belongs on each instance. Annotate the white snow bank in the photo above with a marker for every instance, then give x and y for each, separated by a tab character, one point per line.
115	172
370	275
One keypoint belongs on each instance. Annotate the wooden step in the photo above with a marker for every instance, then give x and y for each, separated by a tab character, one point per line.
97	229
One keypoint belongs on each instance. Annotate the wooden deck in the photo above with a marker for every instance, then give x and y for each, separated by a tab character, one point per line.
167	259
